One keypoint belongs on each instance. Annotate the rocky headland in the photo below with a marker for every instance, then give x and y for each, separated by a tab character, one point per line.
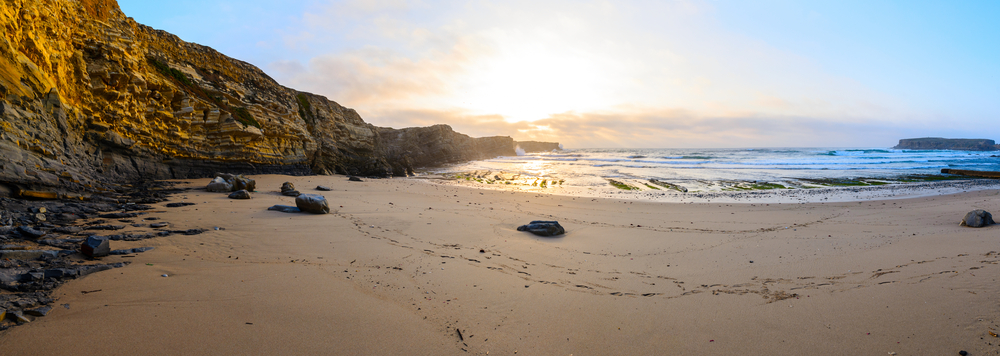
536	146
91	99
938	143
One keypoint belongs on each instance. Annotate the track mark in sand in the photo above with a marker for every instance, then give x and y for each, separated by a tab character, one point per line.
880	274
583	286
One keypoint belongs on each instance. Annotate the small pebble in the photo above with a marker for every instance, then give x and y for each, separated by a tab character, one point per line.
164	275
963	353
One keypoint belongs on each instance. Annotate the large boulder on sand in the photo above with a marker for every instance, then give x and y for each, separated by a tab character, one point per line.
243	183
977	218
219	185
543	228
312	203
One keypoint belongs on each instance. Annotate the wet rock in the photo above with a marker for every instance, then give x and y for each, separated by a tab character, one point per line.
543	228
132	250
68	229
323	188
29	232
189	231
27	255
95	246
285	209
312	203
178	205
977	218
118	215
105	227
240	194
354	179
219	185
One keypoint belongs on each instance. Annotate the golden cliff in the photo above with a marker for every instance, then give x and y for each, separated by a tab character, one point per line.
89	97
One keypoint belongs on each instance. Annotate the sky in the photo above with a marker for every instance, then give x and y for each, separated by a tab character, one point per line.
627	73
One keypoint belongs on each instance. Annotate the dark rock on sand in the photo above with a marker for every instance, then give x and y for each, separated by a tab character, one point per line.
288	189
312	203
159	225
240	194
354	179
178	205
131	250
238	181
96	246
543	228
285	209
323	188
977	218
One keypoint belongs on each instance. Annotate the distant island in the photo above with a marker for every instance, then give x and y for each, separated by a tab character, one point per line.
938	143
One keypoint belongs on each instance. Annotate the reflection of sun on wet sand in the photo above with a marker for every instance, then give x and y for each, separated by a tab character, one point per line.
407	267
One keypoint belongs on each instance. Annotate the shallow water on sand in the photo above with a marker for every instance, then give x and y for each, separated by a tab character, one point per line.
717	170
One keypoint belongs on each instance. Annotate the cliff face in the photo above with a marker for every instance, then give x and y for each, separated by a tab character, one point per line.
536	146
937	143
89	97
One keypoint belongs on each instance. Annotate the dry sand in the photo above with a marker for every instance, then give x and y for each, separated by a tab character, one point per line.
398	269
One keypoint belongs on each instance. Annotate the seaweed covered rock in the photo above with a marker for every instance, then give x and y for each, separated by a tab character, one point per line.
977	218
543	228
312	203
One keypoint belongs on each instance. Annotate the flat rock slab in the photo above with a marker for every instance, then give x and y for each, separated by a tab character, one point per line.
291	193
29	232
977	218
543	228
354	179
285	209
323	188
178	205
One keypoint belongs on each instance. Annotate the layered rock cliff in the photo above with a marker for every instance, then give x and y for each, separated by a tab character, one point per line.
937	143
537	146
89	97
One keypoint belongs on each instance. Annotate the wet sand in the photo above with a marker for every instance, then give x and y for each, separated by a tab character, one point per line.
398	268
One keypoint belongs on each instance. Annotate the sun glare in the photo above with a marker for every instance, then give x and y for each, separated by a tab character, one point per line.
531	83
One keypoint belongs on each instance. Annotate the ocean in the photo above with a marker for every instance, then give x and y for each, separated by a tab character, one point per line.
730	169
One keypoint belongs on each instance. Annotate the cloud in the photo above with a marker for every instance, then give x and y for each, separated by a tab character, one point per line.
588	74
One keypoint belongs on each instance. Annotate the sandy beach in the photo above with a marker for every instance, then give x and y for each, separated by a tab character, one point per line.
405	266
